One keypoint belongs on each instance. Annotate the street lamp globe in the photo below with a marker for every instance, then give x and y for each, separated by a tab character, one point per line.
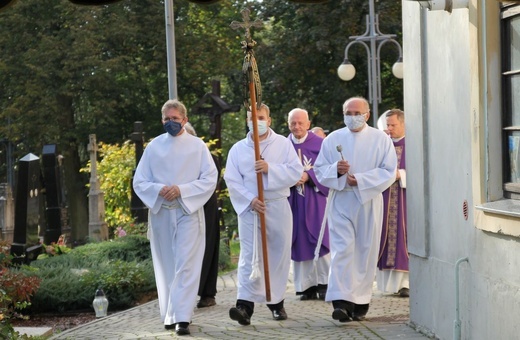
397	69
346	71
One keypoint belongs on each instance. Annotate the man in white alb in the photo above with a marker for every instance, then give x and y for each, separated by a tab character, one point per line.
280	169
358	163
175	178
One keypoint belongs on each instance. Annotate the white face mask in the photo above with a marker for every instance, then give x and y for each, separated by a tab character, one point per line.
262	126
354	122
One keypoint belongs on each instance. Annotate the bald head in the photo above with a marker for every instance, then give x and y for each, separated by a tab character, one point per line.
318	131
356	108
299	123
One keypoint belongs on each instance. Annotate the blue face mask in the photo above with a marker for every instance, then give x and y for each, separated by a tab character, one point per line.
173	128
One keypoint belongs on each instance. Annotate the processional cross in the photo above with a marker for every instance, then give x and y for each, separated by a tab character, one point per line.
249	67
252	102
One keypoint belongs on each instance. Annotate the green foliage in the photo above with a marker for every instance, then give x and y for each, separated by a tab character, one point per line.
229	252
301	47
68	71
122	268
224	259
115	176
128	248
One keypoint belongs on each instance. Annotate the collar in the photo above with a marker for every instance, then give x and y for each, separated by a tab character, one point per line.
299	141
395	140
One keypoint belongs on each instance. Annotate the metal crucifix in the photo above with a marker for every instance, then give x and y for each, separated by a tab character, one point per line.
252	101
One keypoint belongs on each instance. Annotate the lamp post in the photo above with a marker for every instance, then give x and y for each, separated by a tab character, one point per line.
372	40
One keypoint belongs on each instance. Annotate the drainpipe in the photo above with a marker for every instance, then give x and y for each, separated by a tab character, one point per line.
484	93
456	323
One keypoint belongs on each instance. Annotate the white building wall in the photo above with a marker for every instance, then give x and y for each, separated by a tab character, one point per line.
454	156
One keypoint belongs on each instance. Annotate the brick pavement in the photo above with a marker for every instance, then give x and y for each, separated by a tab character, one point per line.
387	319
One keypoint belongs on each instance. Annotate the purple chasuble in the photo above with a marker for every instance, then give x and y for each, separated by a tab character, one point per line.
393	251
308	205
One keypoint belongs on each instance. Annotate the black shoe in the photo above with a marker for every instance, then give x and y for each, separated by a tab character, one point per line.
182	328
322	292
207	301
360	311
168	327
279	314
358	317
308	296
341	315
404	292
239	314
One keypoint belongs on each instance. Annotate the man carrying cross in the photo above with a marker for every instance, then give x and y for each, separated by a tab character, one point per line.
280	169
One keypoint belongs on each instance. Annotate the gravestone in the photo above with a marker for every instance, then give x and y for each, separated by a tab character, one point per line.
137	208
55	210
26	242
6	213
97	227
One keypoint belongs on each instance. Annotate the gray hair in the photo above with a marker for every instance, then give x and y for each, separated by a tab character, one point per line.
293	111
173	104
358	98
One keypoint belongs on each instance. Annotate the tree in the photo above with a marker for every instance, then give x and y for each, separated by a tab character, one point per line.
301	48
68	71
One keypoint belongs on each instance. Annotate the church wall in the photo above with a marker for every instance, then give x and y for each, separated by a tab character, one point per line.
453	156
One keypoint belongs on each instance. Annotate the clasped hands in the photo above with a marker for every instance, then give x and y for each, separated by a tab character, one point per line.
303	179
170	192
344	168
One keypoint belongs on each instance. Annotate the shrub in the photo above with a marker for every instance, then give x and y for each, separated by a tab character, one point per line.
128	248
16	290
121	267
115	176
122	282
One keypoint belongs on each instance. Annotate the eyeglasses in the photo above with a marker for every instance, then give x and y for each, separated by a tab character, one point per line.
348	113
173	119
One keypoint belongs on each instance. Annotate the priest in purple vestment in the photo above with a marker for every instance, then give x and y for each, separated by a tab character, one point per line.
308	200
393	276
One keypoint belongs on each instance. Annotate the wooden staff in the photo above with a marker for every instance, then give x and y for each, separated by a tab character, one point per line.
250	71
260	186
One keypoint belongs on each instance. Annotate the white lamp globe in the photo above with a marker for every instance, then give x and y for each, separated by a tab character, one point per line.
346	71
397	69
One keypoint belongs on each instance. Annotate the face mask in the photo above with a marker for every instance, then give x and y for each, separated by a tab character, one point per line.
354	122
262	126
173	128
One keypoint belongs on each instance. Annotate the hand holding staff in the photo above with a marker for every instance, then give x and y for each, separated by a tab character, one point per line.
253	101
339	148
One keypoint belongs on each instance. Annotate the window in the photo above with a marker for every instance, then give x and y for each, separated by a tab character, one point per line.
511	98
